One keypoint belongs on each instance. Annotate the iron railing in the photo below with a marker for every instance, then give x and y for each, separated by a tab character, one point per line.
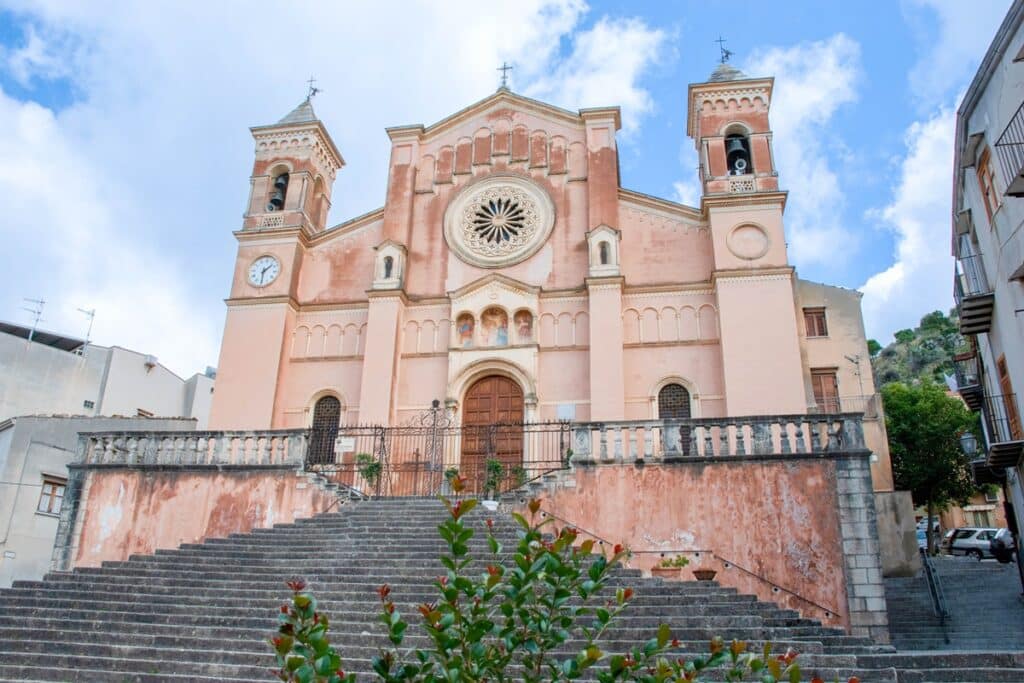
868	405
935	591
965	369
969	278
1010	150
420	459
1001	419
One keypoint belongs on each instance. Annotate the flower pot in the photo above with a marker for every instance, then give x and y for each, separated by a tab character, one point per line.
704	574
491	505
665	572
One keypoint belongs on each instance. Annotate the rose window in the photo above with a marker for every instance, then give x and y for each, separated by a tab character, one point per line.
499	221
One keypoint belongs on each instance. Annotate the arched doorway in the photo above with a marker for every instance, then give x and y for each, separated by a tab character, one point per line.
492	416
324	430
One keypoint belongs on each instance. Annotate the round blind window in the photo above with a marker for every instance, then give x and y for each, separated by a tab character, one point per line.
498	222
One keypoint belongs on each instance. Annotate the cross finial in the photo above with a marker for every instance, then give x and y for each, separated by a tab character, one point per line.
313	90
504	69
721	46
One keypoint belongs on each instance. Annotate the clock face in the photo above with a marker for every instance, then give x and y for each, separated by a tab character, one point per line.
263	271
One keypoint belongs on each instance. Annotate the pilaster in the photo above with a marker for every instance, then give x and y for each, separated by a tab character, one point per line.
607	380
383	325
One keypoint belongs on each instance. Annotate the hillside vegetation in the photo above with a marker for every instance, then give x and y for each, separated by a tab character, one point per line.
923	353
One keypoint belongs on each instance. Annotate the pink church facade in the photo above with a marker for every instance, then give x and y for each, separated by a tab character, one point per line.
507	248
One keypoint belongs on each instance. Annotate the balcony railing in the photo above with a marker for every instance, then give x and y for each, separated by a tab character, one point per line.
1003	432
1010	150
973	295
868	405
286	447
968	379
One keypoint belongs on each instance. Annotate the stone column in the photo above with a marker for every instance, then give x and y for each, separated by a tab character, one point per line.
607	384
384	324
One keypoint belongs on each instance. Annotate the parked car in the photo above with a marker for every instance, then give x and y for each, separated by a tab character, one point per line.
922	538
1002	546
971	541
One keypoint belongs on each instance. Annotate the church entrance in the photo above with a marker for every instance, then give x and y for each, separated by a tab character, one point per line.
492	416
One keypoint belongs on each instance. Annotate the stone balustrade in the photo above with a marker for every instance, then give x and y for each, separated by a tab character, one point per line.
668	440
277	447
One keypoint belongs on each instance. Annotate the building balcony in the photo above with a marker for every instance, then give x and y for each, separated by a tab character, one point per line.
968	379
1010	150
974	297
1003	434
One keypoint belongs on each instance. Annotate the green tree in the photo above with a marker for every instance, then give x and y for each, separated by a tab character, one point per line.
904	336
924	426
873	347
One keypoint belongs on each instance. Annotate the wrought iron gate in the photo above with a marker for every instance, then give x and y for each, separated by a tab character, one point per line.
419	457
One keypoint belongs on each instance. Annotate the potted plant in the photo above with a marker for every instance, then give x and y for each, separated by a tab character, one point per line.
704	574
493	473
369	469
670	567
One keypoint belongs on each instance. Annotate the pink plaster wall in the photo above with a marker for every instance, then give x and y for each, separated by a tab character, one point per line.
131	511
778	520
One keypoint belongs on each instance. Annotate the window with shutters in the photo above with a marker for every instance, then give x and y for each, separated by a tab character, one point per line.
987	184
814	321
826	390
52	495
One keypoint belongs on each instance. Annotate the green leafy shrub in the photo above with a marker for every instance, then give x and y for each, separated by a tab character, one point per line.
677	562
511	621
494	472
369	468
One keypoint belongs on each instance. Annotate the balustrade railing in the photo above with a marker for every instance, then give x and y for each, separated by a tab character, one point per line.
665	440
277	447
1010	149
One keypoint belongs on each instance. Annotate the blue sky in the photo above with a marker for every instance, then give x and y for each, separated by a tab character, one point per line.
128	151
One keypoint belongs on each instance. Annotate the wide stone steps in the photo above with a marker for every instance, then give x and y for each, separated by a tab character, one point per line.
203	612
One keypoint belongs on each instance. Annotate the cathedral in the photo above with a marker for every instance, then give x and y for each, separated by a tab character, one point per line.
510	277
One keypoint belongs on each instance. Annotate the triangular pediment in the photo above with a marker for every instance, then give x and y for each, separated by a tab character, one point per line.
494	281
502	99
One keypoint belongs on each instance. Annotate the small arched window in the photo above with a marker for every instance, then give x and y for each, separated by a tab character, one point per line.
603	253
389	266
737	154
324	430
278	191
673	402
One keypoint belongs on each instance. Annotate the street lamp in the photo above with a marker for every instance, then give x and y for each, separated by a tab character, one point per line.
968	444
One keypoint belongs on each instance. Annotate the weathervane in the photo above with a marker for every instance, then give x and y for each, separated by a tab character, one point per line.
313	90
721	46
504	69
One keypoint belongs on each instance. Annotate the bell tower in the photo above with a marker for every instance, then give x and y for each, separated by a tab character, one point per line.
752	278
293	173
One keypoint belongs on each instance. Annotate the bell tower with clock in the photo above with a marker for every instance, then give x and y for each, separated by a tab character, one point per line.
290	195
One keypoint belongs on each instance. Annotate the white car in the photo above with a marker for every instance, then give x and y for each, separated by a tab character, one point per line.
970	541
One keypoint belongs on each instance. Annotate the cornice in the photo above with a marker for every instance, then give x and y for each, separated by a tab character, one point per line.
249	301
278	235
496	278
752	275
384	294
661	204
351	225
563	293
609	282
740	199
288	131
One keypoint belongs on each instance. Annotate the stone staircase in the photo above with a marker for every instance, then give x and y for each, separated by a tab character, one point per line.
203	612
983	599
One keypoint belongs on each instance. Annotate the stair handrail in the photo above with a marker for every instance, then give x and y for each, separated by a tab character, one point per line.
938	596
827	610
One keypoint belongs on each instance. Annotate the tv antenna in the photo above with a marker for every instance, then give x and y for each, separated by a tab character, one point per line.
91	315
37	314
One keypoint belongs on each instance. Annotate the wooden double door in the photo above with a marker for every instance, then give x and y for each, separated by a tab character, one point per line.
492	417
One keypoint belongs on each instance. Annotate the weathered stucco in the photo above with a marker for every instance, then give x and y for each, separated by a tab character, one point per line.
127	511
778	520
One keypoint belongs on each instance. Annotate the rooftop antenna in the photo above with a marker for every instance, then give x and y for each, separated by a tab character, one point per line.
726	54
504	69
856	364
37	314
91	314
313	90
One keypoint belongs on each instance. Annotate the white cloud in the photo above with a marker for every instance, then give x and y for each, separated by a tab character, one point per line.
951	52
604	68
812	80
127	199
920	280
